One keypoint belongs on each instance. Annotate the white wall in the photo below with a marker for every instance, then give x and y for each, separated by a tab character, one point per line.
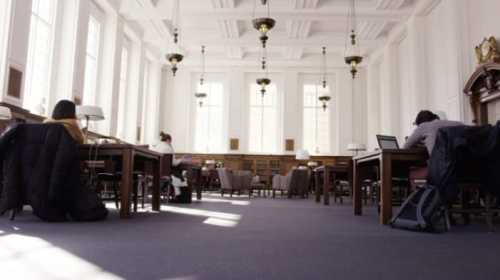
347	124
426	62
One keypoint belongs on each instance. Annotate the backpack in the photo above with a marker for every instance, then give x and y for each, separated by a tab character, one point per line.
423	210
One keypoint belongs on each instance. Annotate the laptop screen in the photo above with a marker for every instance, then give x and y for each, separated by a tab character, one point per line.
387	142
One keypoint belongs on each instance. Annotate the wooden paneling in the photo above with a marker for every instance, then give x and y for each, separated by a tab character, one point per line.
266	165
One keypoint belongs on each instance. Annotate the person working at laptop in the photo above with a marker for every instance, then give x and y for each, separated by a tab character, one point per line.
428	125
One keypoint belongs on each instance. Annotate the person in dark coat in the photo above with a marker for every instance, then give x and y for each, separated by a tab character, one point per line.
65	114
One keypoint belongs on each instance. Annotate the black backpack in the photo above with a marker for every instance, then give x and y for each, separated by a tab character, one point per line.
423	210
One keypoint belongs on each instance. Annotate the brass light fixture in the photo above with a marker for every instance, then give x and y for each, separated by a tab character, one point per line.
175	57
324	98
264	82
352	56
200	96
263	24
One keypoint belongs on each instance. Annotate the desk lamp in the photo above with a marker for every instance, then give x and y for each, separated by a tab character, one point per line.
354	147
89	113
5	113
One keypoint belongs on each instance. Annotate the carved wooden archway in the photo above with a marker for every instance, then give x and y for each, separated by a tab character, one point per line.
482	88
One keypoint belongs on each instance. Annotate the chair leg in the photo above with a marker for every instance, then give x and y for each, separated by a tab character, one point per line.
117	197
136	194
143	195
231	194
274	193
222	192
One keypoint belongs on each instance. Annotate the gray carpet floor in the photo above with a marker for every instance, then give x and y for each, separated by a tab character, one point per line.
238	238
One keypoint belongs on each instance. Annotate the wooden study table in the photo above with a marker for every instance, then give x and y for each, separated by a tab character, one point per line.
330	174
127	154
386	160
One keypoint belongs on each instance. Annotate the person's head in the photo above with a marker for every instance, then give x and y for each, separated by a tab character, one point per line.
165	137
425	116
64	109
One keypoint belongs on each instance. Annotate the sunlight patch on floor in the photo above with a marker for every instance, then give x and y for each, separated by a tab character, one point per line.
233	202
25	257
213	218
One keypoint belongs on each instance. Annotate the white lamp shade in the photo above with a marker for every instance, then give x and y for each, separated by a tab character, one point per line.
93	113
5	113
302	155
356	147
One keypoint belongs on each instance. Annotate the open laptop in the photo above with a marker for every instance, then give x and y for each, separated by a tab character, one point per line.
387	142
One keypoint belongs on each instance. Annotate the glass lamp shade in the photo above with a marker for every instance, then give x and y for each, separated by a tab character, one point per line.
263	82
302	155
5	113
91	113
324	99
200	96
355	147
263	25
353	61
174	59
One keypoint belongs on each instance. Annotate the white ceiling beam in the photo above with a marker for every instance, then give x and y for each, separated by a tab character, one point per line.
389	4
304	4
371	30
298	28
234	52
218	4
293	53
283	16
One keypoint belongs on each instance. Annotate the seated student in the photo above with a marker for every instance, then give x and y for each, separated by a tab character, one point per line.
178	165
65	114
425	134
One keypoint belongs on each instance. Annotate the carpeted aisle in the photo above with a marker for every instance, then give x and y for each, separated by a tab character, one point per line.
243	239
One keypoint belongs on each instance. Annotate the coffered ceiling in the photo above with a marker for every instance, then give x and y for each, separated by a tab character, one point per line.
303	26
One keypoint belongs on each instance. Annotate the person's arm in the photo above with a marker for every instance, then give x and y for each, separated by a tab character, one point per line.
415	138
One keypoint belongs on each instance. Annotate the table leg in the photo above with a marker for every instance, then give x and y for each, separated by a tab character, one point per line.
317	189
156	185
326	186
127	181
356	189
385	189
198	186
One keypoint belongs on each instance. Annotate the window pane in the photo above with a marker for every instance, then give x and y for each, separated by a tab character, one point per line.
316	122
122	93
263	127
209	127
39	56
91	62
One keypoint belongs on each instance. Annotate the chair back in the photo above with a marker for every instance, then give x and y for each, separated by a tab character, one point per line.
299	181
224	177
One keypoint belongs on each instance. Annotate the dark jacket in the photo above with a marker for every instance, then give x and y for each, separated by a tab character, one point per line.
468	154
41	168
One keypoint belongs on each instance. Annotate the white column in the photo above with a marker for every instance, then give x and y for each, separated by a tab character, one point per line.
389	96
134	91
292	110
373	104
109	85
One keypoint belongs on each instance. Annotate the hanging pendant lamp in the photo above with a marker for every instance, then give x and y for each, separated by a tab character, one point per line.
265	81
352	57
201	95
175	57
263	24
324	98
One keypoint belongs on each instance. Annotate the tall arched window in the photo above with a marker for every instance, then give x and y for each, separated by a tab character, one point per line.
40	50
316	120
209	126
263	120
